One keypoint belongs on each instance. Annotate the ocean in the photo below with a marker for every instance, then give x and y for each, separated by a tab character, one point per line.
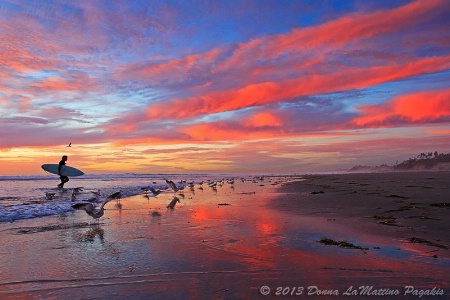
26	197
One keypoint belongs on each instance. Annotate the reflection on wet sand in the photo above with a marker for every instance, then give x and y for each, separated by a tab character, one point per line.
204	250
91	234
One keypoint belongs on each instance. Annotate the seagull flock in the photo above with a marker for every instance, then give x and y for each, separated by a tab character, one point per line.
96	208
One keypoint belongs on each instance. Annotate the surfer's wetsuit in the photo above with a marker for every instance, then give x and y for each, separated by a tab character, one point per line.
64	179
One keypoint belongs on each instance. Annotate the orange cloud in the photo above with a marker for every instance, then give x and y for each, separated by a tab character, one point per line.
413	108
263	119
221	131
257	126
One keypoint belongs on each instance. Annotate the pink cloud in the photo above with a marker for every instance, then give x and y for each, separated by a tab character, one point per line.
296	53
78	82
339	32
173	70
273	92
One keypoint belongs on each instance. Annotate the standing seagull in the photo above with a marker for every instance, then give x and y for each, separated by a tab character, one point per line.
89	208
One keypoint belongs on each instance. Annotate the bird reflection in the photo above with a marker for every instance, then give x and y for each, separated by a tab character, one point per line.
89	236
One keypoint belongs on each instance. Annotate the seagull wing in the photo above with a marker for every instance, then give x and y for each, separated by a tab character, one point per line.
172	185
88	207
155	192
103	204
116	195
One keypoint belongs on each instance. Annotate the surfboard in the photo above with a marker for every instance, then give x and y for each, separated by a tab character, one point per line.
65	170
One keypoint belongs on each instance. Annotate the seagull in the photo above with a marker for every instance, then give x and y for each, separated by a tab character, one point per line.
96	197
70	145
172	185
172	203
73	197
151	189
89	208
77	190
49	195
155	192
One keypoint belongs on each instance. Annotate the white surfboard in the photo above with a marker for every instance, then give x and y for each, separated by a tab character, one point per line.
65	170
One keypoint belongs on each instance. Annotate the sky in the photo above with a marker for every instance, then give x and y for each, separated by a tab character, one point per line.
254	87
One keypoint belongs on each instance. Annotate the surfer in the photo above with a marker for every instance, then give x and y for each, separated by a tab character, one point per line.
63	178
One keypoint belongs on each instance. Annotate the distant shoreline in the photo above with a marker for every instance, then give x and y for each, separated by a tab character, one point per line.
423	162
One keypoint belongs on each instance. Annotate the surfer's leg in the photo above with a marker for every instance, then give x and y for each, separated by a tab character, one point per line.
64	179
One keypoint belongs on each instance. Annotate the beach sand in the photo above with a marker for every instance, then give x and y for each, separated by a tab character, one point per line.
306	235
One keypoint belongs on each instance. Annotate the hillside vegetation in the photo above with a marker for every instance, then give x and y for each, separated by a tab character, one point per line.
424	161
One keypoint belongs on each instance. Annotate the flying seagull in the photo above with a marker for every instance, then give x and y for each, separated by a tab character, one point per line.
155	192
89	208
70	145
172	185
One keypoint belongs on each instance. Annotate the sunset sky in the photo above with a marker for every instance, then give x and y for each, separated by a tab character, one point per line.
263	86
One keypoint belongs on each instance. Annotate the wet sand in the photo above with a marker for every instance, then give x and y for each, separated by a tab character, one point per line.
229	242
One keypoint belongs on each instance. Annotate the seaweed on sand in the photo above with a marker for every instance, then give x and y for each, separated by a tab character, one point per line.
342	244
403	208
426	242
444	204
396	196
387	220
315	193
423	218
